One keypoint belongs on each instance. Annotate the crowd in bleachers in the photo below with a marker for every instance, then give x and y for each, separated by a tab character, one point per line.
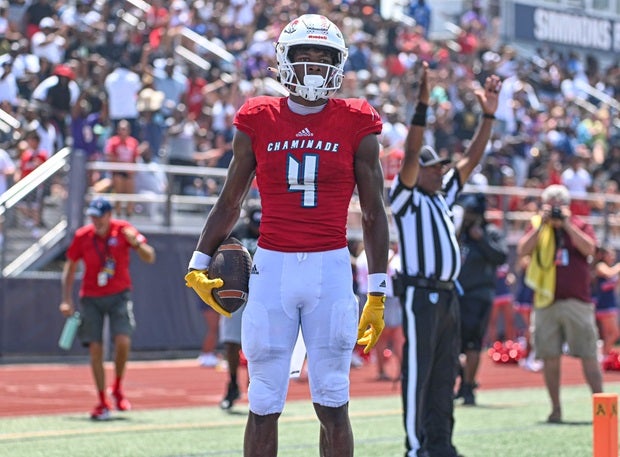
71	71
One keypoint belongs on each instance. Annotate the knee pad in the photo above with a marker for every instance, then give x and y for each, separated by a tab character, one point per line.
329	359
268	358
269	385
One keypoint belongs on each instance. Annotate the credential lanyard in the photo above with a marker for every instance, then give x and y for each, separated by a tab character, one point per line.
102	255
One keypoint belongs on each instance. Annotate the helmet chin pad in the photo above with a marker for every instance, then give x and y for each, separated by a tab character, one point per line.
312	88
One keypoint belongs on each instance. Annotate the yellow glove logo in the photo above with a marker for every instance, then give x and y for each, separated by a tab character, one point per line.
371	322
203	286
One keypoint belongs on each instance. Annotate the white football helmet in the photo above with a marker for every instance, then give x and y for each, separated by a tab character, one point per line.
311	30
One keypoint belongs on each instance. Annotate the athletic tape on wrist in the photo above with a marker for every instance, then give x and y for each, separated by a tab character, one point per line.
199	261
377	282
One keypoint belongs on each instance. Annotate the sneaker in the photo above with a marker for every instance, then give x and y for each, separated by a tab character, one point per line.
101	412
208	359
122	404
469	398
232	394
555	417
459	392
531	364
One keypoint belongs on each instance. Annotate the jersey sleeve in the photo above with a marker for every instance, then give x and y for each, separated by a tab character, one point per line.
247	118
74	251
367	119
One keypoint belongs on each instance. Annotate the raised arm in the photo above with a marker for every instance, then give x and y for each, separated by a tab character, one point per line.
413	142
488	100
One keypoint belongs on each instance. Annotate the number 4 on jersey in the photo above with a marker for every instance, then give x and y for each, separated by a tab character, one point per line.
302	177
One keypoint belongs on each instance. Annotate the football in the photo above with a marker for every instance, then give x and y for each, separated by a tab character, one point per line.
232	263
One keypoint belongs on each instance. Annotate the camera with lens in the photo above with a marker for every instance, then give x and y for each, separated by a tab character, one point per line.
556	213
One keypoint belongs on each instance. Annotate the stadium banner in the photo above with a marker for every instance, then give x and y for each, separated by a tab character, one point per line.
566	28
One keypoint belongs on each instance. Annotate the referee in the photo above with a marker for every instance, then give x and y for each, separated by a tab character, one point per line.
421	198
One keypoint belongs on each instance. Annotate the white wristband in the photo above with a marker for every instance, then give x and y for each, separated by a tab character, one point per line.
199	261
377	282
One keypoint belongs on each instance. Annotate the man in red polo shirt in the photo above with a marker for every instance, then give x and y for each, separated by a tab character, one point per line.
104	248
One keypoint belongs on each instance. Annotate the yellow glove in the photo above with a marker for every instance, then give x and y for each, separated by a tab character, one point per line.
203	286
371	323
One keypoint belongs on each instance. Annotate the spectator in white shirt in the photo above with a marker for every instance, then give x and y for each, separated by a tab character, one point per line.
9	91
48	43
122	86
24	66
577	180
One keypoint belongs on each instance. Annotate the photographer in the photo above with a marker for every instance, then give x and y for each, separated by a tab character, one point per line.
559	244
483	249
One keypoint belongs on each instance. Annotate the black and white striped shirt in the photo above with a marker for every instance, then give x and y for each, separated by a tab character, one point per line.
427	236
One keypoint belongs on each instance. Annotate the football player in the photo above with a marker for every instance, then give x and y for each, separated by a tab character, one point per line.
308	152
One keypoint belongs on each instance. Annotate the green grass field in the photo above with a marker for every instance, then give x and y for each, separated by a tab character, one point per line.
506	423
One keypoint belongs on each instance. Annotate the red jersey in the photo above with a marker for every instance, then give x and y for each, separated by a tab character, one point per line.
194	97
30	160
111	254
305	169
122	150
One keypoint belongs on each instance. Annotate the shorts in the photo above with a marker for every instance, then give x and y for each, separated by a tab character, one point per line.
522	308
503	300
524	299
118	308
568	321
605	312
475	313
230	327
606	306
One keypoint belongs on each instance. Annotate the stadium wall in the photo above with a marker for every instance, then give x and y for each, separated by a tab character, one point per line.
167	313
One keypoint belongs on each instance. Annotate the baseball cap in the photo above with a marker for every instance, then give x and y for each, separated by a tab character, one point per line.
47	23
428	157
98	207
64	70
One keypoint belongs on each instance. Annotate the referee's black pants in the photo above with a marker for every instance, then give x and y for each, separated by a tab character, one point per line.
431	325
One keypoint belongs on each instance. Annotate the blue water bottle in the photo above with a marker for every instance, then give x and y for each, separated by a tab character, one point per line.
69	331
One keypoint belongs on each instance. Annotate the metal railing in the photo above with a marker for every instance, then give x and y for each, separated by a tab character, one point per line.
25	241
180	214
